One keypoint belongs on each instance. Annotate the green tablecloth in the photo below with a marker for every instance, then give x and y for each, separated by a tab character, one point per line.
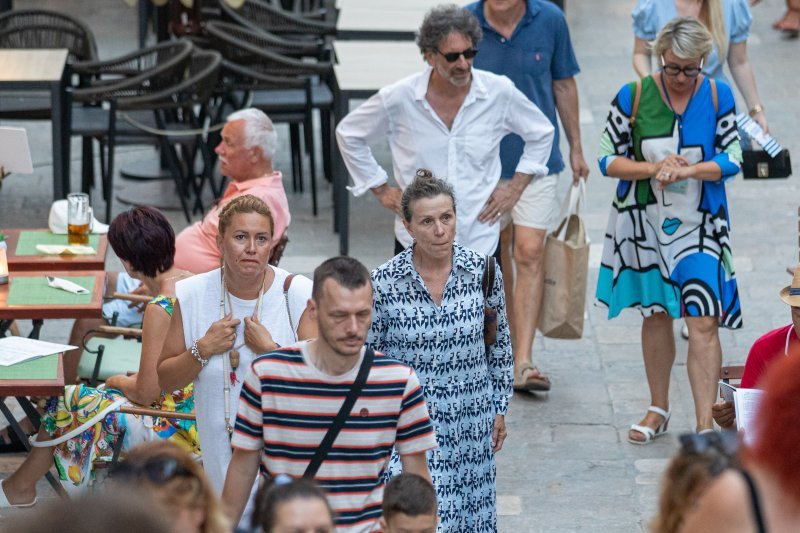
29	239
40	368
34	290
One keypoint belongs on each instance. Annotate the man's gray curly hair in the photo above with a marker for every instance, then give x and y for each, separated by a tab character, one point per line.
443	20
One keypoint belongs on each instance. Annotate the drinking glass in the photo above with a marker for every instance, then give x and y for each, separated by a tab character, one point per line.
79	218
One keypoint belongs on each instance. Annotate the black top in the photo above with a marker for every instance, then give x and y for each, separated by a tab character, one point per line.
755	504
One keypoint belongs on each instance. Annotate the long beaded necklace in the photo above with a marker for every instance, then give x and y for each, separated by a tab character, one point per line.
230	360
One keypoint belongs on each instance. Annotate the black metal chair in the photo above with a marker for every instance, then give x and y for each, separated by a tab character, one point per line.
117	83
261	15
243	46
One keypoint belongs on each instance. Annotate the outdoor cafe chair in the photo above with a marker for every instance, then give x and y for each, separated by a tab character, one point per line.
41	28
117	85
253	51
261	15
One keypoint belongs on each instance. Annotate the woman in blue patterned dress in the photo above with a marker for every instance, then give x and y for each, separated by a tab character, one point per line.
429	314
667	249
145	242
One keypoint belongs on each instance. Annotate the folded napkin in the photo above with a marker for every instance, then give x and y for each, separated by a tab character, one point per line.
60	249
65	285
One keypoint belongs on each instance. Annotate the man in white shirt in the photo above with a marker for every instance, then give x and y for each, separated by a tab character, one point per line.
450	118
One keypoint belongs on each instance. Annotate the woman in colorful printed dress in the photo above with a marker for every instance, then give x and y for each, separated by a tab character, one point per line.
672	142
429	314
224	318
144	241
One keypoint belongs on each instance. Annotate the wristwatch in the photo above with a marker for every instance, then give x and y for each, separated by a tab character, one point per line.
758	108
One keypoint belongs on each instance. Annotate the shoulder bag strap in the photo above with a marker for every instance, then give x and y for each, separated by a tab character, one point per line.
341	417
636	97
714	99
286	284
488	275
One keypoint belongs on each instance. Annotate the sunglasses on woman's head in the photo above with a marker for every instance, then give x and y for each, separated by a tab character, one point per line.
452	57
674	70
158	470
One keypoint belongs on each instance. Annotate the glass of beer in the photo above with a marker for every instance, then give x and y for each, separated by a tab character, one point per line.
79	218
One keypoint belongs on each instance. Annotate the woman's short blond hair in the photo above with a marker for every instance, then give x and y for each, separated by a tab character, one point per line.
242	205
686	37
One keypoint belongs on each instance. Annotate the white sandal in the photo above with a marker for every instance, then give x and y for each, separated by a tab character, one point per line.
649	433
5	504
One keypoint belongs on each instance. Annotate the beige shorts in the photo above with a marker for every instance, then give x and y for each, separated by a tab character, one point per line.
538	205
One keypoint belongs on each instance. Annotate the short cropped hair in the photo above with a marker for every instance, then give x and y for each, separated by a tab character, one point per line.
443	20
258	130
346	271
686	37
143	237
409	494
425	185
279	490
247	203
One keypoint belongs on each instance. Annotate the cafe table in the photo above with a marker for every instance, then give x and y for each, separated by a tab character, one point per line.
27	296
362	68
23	256
39	377
44	69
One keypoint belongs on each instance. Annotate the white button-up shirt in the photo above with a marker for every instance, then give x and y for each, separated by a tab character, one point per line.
466	156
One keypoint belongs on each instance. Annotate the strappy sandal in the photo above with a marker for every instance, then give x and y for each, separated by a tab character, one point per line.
5	504
540	383
649	433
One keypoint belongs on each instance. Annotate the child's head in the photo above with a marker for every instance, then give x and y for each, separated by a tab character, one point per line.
409	505
292	505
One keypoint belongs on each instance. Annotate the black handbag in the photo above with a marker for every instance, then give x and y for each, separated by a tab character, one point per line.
757	164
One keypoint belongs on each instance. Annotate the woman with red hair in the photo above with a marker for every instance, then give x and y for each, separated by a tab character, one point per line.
765	494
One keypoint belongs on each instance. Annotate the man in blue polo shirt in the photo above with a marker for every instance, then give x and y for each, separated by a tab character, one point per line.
528	41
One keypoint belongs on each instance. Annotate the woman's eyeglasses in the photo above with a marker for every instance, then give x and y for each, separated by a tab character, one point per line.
452	57
674	70
159	470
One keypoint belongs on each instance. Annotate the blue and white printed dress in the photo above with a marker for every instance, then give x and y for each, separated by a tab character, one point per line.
464	383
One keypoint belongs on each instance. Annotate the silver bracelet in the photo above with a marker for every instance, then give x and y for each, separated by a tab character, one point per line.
196	354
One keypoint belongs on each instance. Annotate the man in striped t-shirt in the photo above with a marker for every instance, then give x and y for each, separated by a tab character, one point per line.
291	396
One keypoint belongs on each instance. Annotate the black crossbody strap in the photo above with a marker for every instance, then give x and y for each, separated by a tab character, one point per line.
341	417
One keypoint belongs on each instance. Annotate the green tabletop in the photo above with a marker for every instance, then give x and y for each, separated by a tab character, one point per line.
40	368
29	239
34	290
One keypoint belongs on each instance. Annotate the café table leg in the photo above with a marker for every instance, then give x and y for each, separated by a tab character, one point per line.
340	193
23	438
37	328
60	132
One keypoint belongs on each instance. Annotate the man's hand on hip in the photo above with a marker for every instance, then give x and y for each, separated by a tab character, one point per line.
579	167
502	200
389	197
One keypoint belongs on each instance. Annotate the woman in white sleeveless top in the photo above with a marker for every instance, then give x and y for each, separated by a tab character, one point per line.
225	318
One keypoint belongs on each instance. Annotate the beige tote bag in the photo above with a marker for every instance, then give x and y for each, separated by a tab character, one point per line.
566	263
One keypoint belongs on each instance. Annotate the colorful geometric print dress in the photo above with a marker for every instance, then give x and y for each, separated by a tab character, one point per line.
464	384
669	250
74	458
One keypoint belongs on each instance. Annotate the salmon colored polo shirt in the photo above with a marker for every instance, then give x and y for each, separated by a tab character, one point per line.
196	246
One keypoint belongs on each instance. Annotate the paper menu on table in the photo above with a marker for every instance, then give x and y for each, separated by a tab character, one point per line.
745	402
15	350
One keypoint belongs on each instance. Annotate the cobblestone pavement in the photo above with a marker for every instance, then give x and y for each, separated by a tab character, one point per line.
566	465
